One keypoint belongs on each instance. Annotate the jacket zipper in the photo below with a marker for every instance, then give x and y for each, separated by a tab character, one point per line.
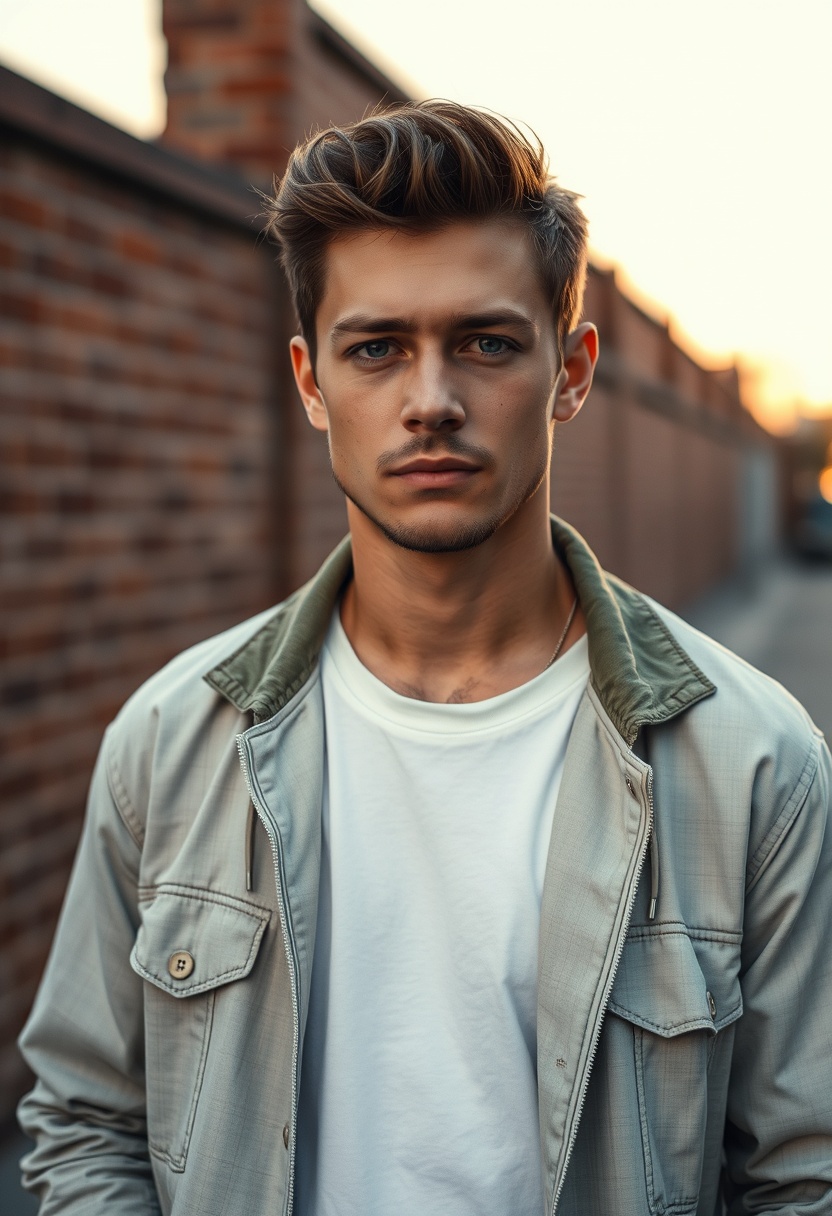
593	1051
289	946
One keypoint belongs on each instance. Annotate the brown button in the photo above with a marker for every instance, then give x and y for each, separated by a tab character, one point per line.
285	1135
181	964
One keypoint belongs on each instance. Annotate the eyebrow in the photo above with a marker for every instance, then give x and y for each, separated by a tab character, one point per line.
365	323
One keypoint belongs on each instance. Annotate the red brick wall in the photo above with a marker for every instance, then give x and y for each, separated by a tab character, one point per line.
650	470
245	82
332	80
230	80
246	79
136	445
657	498
159	480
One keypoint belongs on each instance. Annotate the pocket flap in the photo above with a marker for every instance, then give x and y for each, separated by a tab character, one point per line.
191	940
669	986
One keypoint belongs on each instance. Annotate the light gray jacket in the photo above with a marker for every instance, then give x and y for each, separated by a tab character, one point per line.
685	970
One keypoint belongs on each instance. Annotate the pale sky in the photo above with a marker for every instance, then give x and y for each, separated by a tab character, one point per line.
698	133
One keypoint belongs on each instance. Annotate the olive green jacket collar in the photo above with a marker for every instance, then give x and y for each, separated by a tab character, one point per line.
639	671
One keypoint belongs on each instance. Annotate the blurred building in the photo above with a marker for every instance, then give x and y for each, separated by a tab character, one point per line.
159	481
807	460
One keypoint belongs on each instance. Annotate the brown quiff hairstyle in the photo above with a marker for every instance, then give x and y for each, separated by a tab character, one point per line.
418	167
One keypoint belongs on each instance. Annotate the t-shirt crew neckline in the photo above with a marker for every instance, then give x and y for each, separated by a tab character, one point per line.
372	696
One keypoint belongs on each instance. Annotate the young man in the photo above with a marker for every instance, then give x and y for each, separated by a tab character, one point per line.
468	880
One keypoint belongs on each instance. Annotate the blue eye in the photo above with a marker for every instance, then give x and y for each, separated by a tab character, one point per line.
491	346
376	350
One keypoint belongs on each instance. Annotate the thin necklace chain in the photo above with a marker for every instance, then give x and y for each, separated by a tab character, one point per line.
562	637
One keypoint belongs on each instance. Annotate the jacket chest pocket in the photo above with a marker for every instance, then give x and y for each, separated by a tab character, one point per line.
190	943
678	999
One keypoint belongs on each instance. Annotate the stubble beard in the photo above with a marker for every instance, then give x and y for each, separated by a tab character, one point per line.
434	539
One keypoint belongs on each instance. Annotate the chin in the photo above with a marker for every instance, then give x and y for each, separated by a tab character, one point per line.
442	535
435	535
438	539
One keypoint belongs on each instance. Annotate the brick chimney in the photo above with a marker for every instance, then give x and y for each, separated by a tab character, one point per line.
230	81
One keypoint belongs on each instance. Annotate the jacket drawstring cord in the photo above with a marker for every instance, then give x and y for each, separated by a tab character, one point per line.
249	844
654	874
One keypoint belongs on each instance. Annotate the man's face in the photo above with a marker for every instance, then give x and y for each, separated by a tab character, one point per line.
436	379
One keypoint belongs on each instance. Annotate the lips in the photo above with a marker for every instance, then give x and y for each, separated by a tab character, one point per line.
445	464
447	473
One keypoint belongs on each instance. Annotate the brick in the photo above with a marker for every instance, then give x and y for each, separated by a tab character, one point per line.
135	351
27	307
24	208
275	83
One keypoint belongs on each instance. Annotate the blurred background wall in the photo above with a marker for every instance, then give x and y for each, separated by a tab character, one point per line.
159	481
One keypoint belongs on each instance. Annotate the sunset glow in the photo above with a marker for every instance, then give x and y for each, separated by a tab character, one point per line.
826	483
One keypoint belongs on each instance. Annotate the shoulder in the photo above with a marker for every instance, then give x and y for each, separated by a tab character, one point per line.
181	682
745	696
175	721
751	738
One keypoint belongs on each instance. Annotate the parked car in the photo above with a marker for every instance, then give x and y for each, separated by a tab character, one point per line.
812	534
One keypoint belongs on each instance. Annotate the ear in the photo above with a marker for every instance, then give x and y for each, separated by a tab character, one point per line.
310	394
580	355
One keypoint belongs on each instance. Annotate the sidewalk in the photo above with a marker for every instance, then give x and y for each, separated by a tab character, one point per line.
783	625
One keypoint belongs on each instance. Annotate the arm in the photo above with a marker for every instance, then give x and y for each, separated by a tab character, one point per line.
779	1130
85	1038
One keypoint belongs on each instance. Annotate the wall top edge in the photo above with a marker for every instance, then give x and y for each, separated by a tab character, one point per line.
337	44
35	112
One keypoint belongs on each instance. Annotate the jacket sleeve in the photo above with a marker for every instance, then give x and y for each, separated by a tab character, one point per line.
779	1130
84	1039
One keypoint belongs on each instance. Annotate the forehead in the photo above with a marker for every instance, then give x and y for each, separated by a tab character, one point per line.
464	267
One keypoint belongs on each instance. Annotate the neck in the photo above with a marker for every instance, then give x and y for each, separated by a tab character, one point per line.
459	626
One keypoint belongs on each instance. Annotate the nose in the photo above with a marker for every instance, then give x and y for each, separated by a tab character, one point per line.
432	402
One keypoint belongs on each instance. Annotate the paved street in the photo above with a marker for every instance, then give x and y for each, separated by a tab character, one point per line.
783	626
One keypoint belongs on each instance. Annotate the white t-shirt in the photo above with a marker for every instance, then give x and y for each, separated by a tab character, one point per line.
419	1088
